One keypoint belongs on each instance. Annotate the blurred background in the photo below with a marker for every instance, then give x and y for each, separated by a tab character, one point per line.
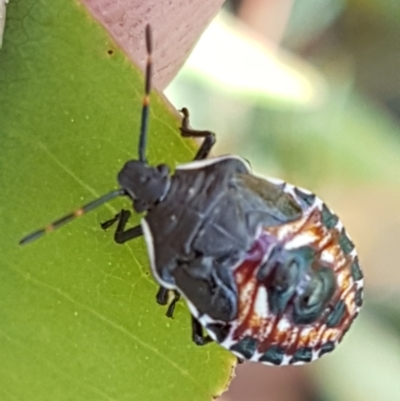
309	91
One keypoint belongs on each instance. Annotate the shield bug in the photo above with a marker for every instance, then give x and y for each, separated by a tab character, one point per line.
266	268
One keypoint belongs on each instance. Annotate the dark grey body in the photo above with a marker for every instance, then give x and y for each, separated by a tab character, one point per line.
204	226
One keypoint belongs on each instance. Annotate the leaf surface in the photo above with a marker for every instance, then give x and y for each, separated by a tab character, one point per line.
78	317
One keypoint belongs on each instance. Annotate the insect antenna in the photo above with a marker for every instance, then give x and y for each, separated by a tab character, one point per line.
146	99
142	157
71	216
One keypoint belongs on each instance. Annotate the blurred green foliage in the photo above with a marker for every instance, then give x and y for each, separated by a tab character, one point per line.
348	146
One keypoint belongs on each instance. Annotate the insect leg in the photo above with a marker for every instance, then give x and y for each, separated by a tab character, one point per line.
171	307
162	296
162	299
209	137
121	235
197	333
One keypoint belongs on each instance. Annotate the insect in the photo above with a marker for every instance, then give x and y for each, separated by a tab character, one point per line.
266	268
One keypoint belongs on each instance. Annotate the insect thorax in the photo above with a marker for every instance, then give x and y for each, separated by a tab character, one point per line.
206	225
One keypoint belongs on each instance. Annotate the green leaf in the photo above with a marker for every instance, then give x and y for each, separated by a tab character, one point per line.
78	317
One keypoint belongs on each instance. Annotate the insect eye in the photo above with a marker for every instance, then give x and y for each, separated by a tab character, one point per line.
310	304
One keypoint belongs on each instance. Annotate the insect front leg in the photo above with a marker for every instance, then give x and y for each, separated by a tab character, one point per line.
121	235
209	137
197	333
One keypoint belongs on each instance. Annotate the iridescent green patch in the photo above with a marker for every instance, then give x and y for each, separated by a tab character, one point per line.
245	347
329	219
336	316
327	347
308	199
356	272
345	244
359	297
302	355
273	355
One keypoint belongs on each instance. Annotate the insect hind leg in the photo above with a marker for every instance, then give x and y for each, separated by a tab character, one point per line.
209	137
121	235
197	333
